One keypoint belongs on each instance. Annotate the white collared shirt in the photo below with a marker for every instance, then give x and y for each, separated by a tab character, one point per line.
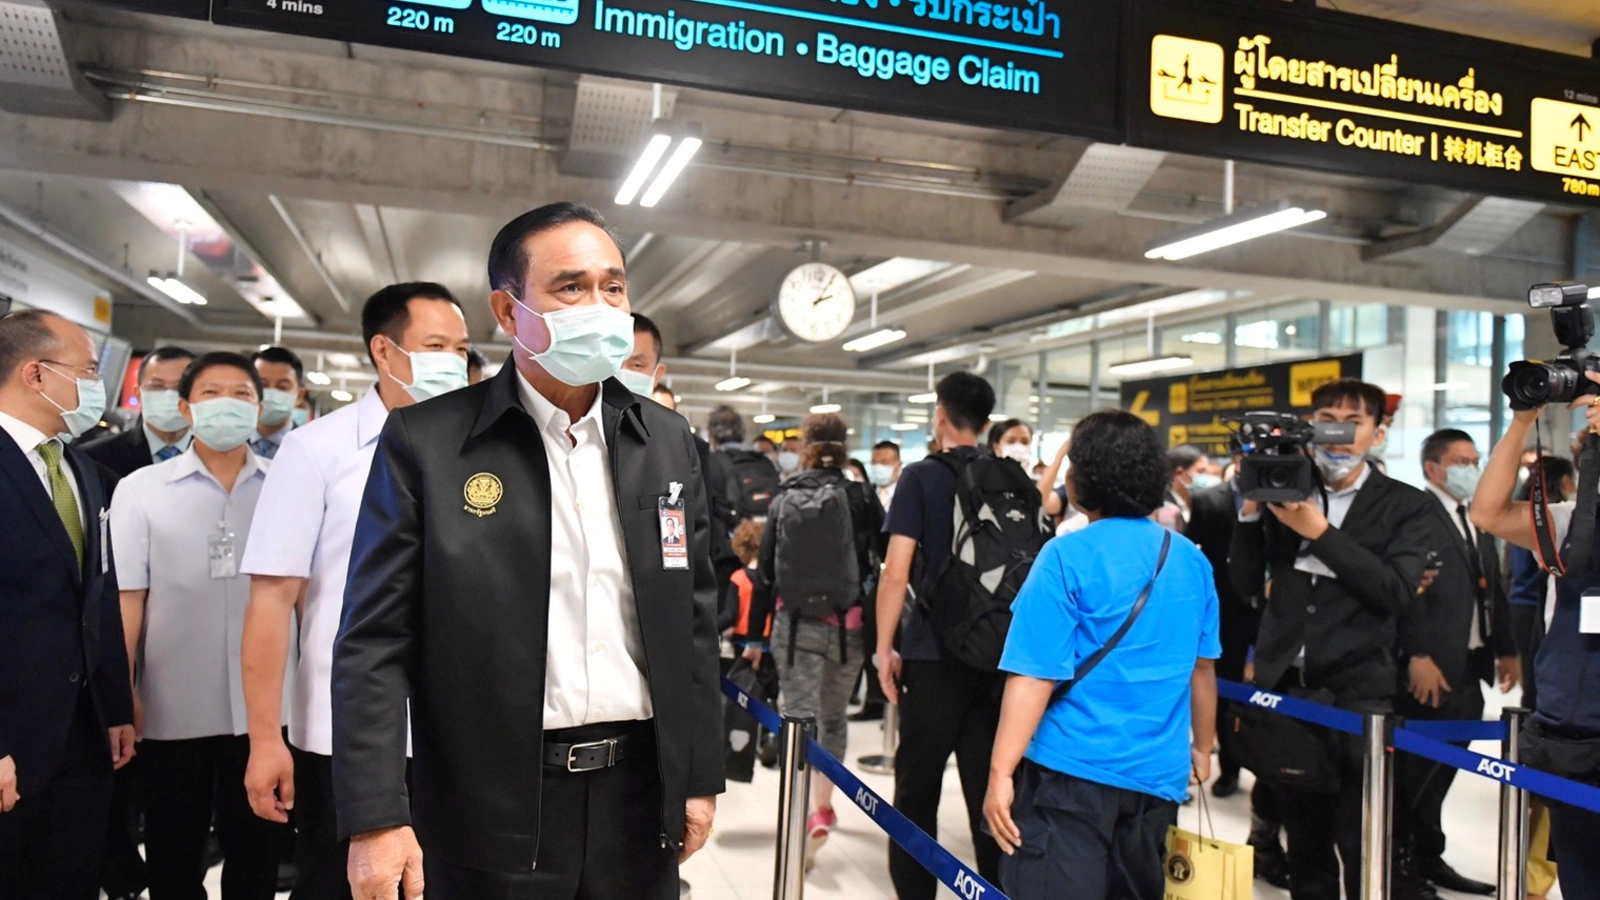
29	438
267	445
163	519
304	526
157	444
594	661
1451	507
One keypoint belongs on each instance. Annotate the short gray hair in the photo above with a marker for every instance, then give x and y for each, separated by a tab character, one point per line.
25	335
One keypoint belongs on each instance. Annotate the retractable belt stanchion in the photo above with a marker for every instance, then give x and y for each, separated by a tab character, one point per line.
1513	876
883	764
1377	807
794	797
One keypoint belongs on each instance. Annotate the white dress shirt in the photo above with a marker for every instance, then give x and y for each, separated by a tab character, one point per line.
163	518
29	438
157	444
1451	507
594	664
267	446
304	526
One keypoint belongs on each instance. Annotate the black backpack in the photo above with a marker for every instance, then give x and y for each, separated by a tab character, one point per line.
999	529
752	482
817	572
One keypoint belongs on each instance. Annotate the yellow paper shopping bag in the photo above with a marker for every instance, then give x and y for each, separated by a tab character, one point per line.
1200	868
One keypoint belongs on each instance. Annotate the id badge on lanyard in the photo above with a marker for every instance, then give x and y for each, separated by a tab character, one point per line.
224	563
674	531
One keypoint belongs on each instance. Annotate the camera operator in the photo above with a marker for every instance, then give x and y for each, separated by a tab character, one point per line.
1344	564
1563	737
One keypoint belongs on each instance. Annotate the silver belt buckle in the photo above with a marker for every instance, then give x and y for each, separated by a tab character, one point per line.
611	754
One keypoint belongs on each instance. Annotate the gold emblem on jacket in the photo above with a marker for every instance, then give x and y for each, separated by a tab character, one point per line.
482	492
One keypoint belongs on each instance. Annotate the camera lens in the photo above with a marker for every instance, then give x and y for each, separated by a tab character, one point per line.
1278	478
1532	384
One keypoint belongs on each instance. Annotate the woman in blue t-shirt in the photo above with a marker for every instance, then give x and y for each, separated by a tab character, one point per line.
1082	789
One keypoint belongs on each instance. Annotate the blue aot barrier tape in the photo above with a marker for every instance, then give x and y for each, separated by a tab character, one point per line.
1328	717
941	863
1458	732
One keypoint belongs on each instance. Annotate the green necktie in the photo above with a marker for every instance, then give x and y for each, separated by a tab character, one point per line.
61	494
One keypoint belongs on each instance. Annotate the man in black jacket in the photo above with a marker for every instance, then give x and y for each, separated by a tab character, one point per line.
1344	565
510	576
66	704
1455	635
161	431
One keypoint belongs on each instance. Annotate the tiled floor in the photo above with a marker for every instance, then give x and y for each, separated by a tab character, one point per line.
738	863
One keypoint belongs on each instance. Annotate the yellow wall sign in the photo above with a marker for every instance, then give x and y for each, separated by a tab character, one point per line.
1186	78
1305	378
1566	138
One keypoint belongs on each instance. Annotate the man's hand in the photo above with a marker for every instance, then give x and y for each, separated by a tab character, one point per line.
889	674
8	784
997	811
753	654
384	863
1429	576
1303	518
1200	762
269	779
698	813
1529	416
1589	402
1428	684
1062	451
1510	673
122	738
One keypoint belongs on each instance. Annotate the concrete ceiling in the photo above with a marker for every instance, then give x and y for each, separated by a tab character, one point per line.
343	168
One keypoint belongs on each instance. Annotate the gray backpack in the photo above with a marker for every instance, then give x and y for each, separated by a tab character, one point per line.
817	571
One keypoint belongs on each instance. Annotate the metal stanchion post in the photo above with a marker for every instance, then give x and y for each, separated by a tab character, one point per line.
1513	877
1377	807
883	764
794	798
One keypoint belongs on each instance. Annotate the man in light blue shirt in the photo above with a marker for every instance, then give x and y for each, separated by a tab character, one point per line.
1096	777
284	378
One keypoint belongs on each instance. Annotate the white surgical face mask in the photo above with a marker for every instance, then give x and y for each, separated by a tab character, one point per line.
788	461
1022	454
91	404
1204	480
1461	482
223	423
161	410
588	344
641	383
433	372
277	406
1336	467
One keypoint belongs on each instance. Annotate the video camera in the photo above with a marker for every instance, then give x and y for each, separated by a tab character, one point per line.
1276	468
1530	384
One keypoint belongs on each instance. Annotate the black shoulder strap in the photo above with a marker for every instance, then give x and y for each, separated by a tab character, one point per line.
1122	632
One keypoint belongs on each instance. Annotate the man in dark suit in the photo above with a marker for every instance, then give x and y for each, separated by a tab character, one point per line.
161	431
66	708
559	657
1455	635
1345	565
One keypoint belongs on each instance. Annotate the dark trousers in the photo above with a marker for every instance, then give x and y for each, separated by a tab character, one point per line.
1238	632
1421	784
50	842
1324	832
1572	845
945	707
1085	840
1527	629
122	872
599	837
320	857
190	784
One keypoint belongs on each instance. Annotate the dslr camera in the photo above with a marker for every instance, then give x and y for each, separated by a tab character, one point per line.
1276	467
1531	383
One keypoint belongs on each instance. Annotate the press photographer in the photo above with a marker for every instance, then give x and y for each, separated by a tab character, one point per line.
1344	563
1563	736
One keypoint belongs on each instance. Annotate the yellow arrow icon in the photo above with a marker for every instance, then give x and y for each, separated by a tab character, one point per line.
1151	416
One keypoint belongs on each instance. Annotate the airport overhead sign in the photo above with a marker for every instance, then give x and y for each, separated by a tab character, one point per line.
1363	96
1043	65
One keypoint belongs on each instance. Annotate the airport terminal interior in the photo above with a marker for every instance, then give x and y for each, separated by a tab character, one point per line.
1182	208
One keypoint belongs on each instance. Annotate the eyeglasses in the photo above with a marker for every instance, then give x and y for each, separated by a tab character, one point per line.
92	368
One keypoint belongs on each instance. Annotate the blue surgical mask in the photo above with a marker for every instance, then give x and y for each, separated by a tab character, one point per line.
1204	480
588	344
91	404
301	416
161	410
277	406
882	475
223	423
788	461
641	383
1461	482
433	372
1336	467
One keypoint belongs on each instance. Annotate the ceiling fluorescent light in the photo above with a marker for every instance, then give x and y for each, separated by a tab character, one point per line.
319	378
177	290
892	273
685	151
929	397
1151	366
874	340
821	408
653	151
1235	229
903	426
733	383
763	418
1203	337
342	395
1594	293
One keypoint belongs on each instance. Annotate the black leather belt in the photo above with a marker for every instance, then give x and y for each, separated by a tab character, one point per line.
591	756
